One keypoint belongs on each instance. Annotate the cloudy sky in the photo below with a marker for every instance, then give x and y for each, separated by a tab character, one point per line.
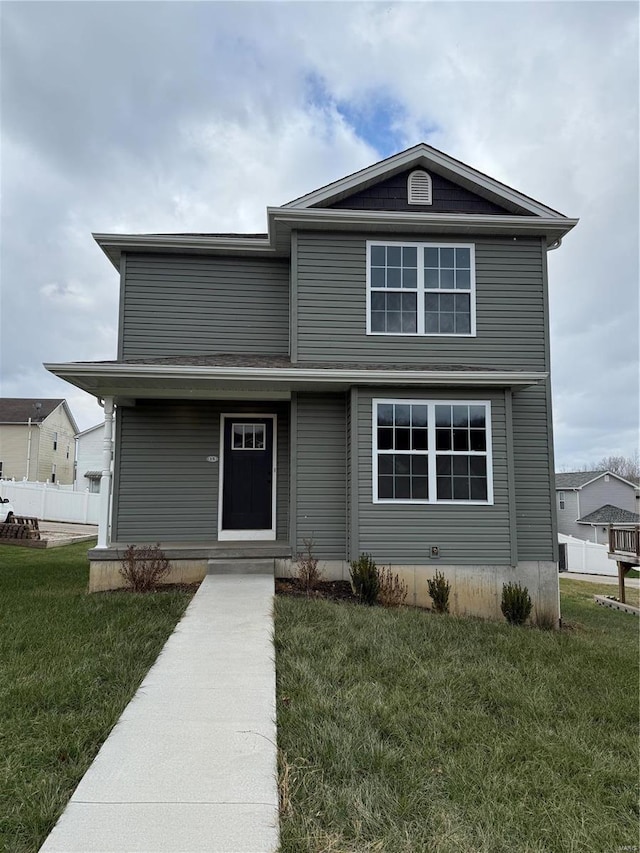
186	116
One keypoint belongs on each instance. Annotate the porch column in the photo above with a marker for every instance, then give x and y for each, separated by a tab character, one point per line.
105	480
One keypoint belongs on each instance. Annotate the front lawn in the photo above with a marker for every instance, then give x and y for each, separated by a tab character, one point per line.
69	663
406	731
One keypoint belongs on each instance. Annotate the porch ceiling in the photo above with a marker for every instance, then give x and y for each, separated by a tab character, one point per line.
267	377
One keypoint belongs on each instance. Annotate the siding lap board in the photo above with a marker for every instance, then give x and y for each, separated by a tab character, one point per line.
331	296
167	491
321	476
185	305
403	533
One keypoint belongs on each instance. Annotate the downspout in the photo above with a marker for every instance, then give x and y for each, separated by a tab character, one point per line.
105	480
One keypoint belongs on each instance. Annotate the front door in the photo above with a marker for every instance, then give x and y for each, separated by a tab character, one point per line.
248	478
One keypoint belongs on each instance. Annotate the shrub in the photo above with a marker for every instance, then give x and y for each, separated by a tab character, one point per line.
364	577
516	603
392	591
439	589
143	567
307	571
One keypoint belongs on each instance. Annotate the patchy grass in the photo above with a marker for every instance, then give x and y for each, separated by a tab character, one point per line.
69	663
583	592
406	731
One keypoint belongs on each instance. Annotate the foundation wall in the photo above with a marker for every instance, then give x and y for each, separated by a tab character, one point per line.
475	590
105	574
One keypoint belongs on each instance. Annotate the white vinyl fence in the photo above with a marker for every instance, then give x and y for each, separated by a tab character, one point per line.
587	557
50	502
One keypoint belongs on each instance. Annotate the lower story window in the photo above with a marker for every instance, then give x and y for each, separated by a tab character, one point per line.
430	451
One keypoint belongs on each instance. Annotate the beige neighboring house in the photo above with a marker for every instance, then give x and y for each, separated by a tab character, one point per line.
37	440
89	456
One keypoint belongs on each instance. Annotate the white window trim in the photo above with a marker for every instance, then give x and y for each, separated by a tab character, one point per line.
268	534
420	289
432	452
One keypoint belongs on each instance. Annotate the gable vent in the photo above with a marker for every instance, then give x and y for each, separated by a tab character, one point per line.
419	188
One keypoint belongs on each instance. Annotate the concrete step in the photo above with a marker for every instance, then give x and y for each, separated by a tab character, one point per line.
240	566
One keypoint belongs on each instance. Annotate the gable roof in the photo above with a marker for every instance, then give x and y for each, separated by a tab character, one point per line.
425	157
520	215
18	410
578	479
90	429
609	514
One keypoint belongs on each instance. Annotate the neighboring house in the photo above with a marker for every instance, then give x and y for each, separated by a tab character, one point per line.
89	452
372	374
36	440
588	501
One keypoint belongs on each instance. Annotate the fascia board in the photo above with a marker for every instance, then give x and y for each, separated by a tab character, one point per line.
267	374
611	474
423	155
461	222
113	244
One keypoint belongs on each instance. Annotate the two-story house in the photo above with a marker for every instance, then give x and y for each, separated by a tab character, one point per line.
36	440
589	501
372	374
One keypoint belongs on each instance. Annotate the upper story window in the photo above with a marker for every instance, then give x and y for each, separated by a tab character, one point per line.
419	187
427	451
421	289
561	500
55	441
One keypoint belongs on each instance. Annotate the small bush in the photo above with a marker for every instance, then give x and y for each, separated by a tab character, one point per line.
516	603
439	589
364	578
392	591
307	570
143	567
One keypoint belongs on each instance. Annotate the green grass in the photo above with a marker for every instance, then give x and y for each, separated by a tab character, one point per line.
405	731
69	663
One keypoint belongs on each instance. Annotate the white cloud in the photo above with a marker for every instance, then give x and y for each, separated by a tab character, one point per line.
261	103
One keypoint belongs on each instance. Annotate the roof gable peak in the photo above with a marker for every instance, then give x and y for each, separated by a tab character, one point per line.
423	156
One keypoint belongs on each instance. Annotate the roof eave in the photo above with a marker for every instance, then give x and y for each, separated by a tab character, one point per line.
111	380
114	244
552	228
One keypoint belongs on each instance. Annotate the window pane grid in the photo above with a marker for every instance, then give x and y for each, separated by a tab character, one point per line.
247	437
439	280
460	459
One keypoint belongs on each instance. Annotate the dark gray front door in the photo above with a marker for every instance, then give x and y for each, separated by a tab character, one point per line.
247	489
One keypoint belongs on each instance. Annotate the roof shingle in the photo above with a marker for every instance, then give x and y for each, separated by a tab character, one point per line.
18	410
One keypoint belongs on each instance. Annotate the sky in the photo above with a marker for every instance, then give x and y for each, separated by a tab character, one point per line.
179	116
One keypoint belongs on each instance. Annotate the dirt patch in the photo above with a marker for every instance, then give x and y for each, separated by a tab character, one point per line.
332	590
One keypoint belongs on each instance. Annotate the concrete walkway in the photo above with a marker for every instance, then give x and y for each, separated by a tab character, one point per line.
191	764
630	583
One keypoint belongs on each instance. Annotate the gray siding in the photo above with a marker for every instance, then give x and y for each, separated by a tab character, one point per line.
447	197
567	516
534	488
186	305
165	490
321	474
597	494
403	533
331	299
589	498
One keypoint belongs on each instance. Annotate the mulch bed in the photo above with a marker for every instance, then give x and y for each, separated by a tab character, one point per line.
332	590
